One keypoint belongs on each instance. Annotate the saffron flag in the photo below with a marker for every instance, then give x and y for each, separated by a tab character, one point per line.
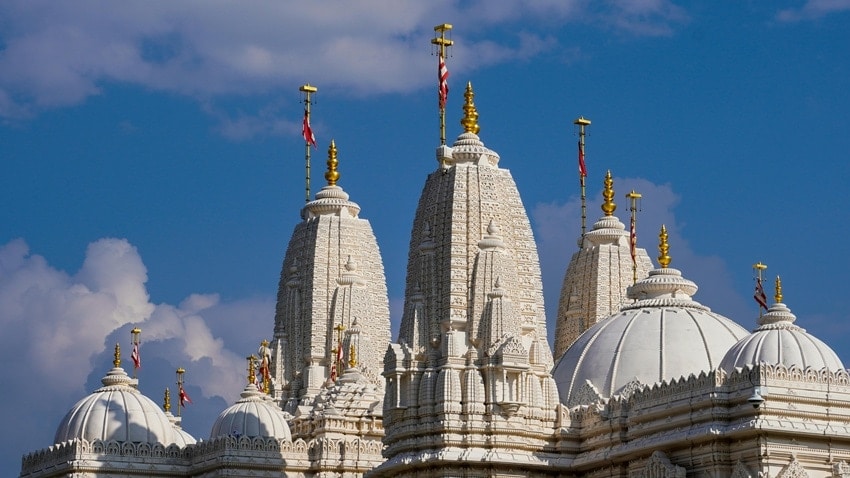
184	397
759	294
443	75
137	360
307	131
582	169
633	241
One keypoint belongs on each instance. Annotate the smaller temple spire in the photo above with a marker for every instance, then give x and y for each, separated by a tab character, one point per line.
116	361
332	175
663	248
778	296
608	206
470	113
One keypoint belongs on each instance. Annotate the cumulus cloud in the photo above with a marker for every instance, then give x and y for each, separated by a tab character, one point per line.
61	330
558	228
56	54
813	10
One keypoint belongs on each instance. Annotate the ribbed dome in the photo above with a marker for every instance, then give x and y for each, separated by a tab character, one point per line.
778	340
116	411
251	416
662	336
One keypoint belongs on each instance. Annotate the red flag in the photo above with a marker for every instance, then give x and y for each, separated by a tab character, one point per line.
184	397
137	360
307	132
759	294
582	169
633	240
443	76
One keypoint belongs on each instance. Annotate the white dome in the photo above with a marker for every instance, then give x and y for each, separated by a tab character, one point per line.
251	416
778	340
117	411
662	336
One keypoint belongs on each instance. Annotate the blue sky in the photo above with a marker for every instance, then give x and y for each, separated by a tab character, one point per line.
154	167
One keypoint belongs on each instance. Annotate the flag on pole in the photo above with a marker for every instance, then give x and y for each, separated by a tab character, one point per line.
307	132
633	240
137	360
184	397
443	75
582	168
759	294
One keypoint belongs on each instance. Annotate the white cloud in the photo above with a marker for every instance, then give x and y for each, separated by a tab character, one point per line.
813	9
56	54
61	330
558	227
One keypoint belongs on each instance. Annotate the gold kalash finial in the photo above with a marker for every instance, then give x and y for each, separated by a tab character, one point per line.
470	113
663	248
117	356
166	405
332	175
352	356
778	295
252	369
608	206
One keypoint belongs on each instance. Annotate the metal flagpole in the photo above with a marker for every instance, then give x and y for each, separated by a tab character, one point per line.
582	122
308	90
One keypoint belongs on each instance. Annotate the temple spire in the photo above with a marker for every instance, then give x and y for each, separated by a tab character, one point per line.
470	113
663	248
307	132
443	45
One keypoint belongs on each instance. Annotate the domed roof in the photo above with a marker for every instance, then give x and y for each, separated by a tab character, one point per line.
661	336
251	416
778	340
117	411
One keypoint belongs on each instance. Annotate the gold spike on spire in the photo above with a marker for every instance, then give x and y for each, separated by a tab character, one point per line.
663	248
608	206
252	369
778	295
116	361
470	113
166	404
332	175
352	356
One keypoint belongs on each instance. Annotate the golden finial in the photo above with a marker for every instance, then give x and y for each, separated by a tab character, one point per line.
778	295
166	405
332	175
663	248
116	361
252	369
352	356
470	113
608	206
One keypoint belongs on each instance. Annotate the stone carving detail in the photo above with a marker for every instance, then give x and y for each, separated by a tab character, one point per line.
741	471
586	395
793	470
659	466
841	470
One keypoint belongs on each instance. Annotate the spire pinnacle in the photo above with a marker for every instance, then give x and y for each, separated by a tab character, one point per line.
778	295
470	113
663	248
352	356
252	370
332	175
608	206
117	356
166	404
